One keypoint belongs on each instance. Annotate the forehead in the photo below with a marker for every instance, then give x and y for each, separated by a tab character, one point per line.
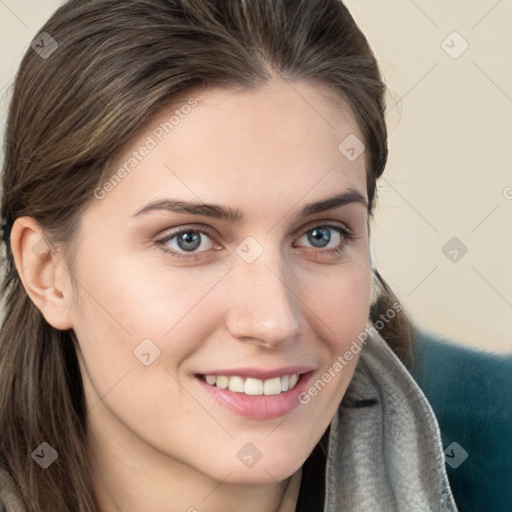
279	107
282	108
229	145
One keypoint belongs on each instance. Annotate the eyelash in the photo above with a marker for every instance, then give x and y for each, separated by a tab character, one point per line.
347	236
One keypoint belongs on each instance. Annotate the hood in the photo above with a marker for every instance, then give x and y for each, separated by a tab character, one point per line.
388	456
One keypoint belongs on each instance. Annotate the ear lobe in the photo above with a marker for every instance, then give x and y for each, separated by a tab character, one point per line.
41	272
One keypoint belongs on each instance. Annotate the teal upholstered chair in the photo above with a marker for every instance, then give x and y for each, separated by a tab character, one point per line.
471	394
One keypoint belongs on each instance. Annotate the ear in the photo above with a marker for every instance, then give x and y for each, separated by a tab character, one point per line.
41	270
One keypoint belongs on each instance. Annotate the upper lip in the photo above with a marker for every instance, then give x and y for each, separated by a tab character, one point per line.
261	374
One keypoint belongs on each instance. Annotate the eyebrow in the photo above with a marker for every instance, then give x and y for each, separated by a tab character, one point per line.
234	215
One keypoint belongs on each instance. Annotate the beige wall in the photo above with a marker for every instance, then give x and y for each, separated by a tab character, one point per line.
449	171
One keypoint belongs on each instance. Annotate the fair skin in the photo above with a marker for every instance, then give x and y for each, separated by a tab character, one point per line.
157	441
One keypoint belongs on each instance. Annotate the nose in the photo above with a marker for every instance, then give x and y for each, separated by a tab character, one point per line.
263	306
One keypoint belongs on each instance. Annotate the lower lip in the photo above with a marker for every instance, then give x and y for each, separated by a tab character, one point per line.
259	407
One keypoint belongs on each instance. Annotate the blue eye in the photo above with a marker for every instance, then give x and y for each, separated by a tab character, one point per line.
319	236
188	240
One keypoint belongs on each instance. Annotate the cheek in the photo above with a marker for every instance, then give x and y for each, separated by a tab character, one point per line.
341	300
131	302
341	311
126	315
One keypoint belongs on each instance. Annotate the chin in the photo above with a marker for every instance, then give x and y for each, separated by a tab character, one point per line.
265	470
259	476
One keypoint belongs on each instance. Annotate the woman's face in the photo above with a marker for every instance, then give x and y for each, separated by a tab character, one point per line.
276	292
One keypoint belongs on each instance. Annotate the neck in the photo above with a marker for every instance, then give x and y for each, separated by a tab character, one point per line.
114	496
130	477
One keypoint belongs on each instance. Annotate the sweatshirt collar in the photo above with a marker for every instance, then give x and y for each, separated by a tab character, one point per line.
387	456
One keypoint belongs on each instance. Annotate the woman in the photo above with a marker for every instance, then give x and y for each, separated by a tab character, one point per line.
192	321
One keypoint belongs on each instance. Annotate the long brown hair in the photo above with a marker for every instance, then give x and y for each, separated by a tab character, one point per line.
117	64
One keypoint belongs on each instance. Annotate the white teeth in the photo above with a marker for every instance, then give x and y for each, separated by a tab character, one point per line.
236	384
222	382
272	386
251	386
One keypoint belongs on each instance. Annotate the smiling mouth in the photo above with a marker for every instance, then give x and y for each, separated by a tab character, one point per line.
252	386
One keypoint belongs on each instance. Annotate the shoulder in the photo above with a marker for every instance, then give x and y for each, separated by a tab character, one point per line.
470	392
